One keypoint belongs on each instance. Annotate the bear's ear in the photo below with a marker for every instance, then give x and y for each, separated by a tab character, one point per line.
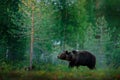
74	51
66	52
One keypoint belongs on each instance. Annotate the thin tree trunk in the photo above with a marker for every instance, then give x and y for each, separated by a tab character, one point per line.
77	42
32	38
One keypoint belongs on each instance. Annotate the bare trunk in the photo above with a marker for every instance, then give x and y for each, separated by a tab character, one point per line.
77	42
64	39
32	38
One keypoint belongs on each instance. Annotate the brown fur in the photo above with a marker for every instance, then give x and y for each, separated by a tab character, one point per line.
79	58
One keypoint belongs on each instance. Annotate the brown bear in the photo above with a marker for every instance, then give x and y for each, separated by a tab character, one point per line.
79	58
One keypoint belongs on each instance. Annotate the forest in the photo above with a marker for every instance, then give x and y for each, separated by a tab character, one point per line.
34	32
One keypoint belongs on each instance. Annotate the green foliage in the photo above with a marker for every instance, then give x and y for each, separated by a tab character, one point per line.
72	22
12	37
112	16
113	59
5	67
112	54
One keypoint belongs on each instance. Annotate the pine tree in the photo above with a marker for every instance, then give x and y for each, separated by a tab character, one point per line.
11	32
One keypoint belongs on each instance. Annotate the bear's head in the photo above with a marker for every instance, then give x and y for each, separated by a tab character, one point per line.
65	55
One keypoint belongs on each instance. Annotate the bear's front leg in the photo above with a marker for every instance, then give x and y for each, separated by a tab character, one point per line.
71	64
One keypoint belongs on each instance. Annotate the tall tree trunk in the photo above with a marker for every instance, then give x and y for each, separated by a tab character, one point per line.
32	38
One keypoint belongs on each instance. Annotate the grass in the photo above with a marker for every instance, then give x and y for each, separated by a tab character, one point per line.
60	72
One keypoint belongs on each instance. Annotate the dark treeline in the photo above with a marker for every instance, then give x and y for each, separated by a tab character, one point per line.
34	32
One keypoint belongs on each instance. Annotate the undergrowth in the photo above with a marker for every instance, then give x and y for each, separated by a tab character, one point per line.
61	72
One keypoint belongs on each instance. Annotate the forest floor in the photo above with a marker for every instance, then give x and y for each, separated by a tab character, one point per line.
62	74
